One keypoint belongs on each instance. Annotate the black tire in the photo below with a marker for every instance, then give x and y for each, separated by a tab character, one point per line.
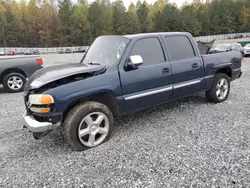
74	118
211	94
8	88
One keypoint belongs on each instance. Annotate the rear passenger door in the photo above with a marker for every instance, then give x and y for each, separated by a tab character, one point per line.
151	82
186	65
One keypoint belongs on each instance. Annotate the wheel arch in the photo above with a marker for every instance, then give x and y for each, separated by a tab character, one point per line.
11	70
225	70
104	98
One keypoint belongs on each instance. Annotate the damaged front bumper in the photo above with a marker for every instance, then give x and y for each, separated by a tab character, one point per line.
39	129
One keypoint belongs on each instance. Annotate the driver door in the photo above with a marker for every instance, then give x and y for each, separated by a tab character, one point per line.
149	83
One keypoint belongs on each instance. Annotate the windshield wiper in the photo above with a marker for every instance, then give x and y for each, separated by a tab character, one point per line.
93	63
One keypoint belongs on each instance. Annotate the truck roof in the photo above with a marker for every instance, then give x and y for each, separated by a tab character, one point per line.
140	35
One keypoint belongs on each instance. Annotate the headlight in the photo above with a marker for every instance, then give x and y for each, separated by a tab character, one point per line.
41	99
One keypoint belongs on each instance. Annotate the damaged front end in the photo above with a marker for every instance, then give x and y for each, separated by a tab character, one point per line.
41	116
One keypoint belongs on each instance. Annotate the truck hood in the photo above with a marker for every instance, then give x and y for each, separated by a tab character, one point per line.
53	73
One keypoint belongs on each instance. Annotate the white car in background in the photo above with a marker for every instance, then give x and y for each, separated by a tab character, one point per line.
2	52
247	50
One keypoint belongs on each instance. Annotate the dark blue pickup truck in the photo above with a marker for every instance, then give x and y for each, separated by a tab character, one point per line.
120	75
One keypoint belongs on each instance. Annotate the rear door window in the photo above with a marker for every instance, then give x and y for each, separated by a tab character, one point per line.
179	48
150	50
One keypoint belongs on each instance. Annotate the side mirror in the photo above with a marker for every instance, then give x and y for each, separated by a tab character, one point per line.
135	60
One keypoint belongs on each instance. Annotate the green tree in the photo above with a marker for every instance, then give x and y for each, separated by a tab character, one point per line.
3	23
65	17
106	6
189	20
80	23
203	16
48	25
26	23
138	4
142	13
13	30
119	17
96	19
221	17
167	20
32	24
132	22
132	8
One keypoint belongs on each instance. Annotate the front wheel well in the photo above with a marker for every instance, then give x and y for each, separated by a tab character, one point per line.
12	70
104	98
226	70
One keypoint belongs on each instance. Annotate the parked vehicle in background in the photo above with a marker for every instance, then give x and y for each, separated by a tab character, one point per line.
14	71
60	51
220	48
120	75
2	52
247	50
10	53
81	50
36	52
27	52
68	50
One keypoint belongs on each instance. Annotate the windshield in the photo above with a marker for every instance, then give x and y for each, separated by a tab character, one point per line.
106	50
248	45
223	47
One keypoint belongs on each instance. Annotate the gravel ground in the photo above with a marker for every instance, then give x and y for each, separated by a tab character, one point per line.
185	143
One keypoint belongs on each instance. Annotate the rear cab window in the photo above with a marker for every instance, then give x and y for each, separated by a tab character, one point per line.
179	48
150	49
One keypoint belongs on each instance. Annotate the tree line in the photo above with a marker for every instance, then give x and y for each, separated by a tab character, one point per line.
46	23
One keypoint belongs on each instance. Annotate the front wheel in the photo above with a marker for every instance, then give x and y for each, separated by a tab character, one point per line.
220	89
88	125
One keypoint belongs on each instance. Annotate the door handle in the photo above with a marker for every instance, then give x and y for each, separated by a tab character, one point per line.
195	65
165	70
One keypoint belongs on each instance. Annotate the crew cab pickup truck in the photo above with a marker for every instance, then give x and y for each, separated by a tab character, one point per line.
15	70
120	75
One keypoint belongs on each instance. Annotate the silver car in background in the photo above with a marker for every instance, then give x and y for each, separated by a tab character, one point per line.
247	50
2	52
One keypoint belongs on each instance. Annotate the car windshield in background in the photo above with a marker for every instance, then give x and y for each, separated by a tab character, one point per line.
106	50
222	47
248	46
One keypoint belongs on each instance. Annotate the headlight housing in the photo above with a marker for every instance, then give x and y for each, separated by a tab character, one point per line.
41	99
40	103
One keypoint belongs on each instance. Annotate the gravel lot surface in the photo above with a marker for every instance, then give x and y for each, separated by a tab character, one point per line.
186	143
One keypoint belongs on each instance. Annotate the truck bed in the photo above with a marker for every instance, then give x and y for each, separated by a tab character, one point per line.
220	59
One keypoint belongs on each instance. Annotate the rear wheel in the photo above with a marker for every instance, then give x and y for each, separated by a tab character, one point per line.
14	82
88	125
220	89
